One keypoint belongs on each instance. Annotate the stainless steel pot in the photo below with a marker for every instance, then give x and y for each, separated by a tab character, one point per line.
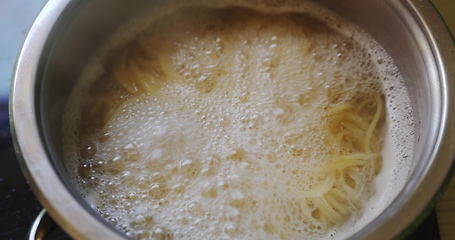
67	33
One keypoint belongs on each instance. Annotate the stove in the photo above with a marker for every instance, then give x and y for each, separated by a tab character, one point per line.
18	206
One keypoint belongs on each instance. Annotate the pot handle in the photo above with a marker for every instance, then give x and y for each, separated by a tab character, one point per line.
42	225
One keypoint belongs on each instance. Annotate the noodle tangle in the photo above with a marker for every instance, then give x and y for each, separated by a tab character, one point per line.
235	125
354	132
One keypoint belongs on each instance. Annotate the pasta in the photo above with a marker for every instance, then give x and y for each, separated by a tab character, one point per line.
353	129
242	120
138	71
359	158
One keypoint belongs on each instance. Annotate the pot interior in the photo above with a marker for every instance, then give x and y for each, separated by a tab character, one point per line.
86	25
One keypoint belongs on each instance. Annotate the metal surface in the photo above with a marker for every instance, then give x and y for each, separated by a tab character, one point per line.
45	181
445	207
41	227
66	34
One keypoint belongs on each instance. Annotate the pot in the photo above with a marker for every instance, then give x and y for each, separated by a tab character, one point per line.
67	33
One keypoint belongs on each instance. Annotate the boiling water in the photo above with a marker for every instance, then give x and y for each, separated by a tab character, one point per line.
227	134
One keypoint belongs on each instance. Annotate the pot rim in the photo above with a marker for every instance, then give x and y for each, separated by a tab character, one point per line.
412	204
417	199
31	151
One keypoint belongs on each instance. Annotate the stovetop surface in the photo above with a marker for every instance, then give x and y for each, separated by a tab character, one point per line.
18	205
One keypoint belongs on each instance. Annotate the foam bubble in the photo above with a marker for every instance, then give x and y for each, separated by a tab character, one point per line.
227	144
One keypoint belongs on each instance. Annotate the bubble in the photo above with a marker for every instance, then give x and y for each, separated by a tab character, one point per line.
209	191
116	165
190	168
160	233
205	84
88	151
238	154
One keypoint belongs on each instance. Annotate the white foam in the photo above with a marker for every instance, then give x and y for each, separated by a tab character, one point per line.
232	137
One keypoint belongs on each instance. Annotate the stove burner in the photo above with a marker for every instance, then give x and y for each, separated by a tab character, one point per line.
45	228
